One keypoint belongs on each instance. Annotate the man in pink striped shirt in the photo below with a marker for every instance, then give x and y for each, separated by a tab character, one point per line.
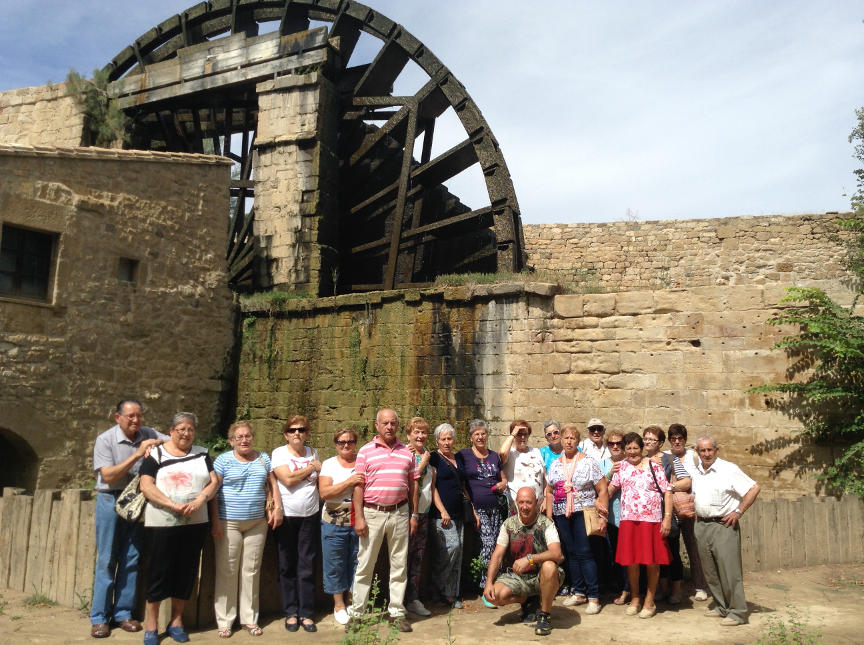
382	506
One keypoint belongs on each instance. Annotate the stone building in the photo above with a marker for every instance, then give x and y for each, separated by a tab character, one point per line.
112	284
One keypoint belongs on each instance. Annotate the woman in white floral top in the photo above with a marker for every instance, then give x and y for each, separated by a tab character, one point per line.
644	524
574	482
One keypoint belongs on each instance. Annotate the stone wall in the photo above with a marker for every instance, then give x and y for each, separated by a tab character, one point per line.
510	351
620	256
164	337
296	176
40	116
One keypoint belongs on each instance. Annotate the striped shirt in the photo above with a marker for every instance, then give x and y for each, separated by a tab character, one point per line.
386	470
243	491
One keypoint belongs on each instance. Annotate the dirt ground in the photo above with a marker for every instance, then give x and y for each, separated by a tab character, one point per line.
826	599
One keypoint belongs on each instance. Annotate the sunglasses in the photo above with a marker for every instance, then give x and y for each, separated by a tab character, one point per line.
553	433
595	430
293	430
614	443
346	442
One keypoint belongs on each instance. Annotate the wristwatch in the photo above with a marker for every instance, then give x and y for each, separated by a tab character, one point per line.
530	558
739	511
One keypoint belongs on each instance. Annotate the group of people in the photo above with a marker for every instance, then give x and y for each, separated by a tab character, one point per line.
601	507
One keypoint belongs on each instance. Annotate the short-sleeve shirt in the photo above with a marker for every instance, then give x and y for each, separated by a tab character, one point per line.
590	448
244	486
525	469
387	471
718	490
337	510
181	479
299	499
113	447
482	475
449	482
640	499
585	475
690	461
550	455
522	540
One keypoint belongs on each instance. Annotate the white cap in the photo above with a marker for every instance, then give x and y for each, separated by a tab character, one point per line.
595	422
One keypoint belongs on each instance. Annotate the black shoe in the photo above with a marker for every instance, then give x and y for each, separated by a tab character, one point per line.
292	627
529	610
543	626
401	623
309	627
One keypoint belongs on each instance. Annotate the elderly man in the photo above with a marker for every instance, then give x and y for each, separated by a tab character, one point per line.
117	455
593	444
531	548
723	493
381	508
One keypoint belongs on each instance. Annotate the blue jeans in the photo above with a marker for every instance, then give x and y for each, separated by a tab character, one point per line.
580	560
339	556
118	544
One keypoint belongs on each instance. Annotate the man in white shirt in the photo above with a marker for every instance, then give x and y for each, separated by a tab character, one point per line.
723	493
593	445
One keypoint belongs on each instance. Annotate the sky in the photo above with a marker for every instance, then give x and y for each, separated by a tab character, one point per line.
604	110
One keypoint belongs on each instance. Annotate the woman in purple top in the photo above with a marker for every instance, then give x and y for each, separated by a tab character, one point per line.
486	486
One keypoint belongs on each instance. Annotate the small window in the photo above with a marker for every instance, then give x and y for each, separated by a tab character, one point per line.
127	270
25	262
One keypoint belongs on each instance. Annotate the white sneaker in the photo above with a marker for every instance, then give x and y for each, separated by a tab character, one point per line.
592	608
416	607
341	616
701	595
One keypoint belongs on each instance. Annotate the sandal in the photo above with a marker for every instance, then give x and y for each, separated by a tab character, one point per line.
253	630
225	633
623	598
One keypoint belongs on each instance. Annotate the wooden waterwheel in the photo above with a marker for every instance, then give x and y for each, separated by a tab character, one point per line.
399	225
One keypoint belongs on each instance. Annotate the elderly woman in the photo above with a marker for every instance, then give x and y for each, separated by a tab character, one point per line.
486	486
644	524
178	481
239	526
679	480
417	430
296	467
689	459
615	443
575	483
446	515
523	465
339	542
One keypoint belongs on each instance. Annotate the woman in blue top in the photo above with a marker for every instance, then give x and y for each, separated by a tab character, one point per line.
239	528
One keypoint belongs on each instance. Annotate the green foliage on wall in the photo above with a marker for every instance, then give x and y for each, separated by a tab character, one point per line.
829	400
106	123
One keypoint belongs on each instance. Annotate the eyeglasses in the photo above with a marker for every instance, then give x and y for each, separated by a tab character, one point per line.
346	442
293	430
614	443
650	441
553	433
242	437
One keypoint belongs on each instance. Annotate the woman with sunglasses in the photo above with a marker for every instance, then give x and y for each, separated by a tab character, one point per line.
296	467
620	583
339	542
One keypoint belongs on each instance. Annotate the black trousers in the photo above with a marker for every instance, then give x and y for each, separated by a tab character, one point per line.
297	543
173	553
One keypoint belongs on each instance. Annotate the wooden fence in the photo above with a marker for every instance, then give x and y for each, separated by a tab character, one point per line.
47	545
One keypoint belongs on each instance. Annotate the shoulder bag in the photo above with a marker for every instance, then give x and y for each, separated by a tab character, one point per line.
674	529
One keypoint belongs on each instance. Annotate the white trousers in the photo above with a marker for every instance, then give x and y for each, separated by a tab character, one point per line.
239	551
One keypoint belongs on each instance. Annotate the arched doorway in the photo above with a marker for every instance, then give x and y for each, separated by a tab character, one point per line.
19	464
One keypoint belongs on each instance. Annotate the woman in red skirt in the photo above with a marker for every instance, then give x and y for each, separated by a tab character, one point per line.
644	525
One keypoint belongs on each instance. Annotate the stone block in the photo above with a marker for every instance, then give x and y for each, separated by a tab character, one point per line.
569	306
741	298
630	381
634	302
577	381
603	363
599	305
652	362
